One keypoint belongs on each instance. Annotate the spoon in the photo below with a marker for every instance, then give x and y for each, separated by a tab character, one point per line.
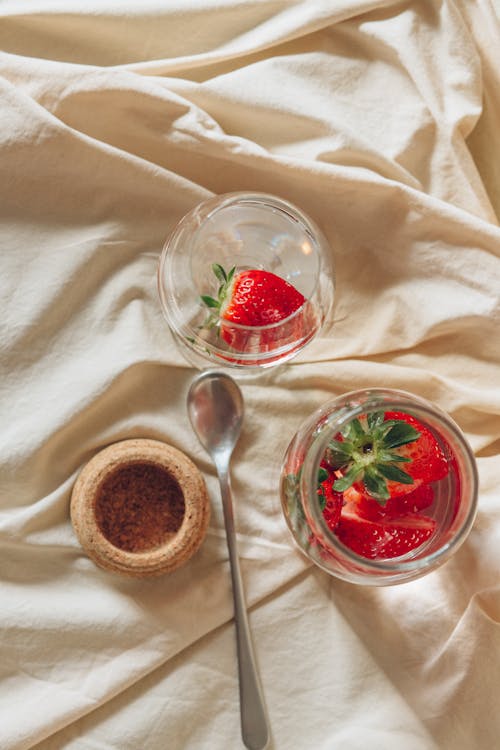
215	408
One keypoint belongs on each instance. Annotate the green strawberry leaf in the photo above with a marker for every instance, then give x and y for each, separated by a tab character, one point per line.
380	431
375	419
322	475
219	273
375	485
394	474
338	461
355	430
224	280
339	454
400	434
388	457
209	301
341	446
348	479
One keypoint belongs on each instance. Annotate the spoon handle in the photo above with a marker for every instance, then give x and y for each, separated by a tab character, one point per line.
254	728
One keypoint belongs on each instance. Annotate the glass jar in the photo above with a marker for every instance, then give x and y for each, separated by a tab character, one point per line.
452	510
244	232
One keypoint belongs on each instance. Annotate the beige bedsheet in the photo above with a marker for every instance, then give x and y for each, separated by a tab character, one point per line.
381	120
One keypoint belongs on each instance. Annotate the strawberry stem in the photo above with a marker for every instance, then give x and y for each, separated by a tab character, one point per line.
215	303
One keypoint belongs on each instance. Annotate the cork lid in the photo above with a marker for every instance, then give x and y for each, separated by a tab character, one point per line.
140	508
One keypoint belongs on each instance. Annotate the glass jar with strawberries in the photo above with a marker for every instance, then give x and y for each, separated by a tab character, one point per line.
379	487
245	281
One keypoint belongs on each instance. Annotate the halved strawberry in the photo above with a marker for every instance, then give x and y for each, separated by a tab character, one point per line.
362	505
385	538
254	298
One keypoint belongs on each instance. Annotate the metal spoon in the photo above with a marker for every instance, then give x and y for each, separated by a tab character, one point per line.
215	408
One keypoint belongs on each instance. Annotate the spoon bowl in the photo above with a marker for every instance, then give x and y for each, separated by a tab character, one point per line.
216	410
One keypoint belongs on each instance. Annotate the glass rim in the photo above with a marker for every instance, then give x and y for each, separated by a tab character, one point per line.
259	198
313	459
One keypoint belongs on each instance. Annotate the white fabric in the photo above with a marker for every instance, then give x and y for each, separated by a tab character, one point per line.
382	121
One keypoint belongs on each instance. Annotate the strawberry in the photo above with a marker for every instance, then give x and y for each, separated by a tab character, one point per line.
254	298
385	538
370	451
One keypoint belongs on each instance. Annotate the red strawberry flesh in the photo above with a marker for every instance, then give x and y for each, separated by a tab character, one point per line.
259	298
413	502
333	503
384	539
367	507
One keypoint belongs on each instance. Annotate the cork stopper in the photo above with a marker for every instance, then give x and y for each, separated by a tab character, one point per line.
140	508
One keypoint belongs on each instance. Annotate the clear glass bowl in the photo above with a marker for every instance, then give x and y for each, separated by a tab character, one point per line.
453	508
245	231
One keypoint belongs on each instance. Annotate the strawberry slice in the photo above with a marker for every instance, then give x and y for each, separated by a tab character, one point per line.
386	538
254	298
359	504
412	502
364	506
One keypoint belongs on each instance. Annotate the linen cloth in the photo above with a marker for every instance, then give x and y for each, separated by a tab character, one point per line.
382	121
